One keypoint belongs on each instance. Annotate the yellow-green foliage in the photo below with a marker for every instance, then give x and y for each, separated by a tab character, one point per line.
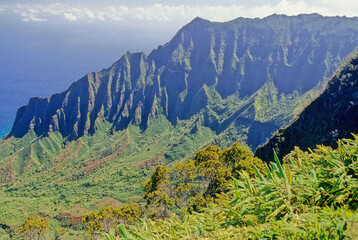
304	193
185	173
213	173
155	188
312	196
108	217
197	203
189	226
195	182
209	153
238	158
35	227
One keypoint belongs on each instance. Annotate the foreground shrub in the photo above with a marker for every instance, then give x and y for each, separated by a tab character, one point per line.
108	218
196	182
313	195
35	228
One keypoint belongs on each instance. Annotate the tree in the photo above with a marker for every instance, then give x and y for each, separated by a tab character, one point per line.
213	174
109	217
197	181
185	186
209	153
157	190
35	228
239	158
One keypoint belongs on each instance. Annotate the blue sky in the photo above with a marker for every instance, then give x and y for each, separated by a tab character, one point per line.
170	10
46	45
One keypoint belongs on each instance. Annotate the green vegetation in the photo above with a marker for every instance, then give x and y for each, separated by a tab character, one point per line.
35	228
93	172
108	218
331	116
92	146
187	189
270	106
66	182
196	182
311	196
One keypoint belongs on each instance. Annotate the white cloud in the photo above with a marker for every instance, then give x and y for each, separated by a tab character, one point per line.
181	13
27	17
70	16
341	7
286	7
340	3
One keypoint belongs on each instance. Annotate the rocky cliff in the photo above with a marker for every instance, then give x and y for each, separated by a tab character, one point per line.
332	116
252	71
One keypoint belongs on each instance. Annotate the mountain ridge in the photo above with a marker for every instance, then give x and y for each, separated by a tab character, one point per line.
203	61
329	117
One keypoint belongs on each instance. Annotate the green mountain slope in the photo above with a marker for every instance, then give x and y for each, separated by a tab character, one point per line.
65	181
333	115
213	83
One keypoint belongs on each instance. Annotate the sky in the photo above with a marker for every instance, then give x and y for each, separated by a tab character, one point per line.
169	10
45	45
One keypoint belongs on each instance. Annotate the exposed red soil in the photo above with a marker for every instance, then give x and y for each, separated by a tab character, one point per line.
93	164
63	157
103	161
71	218
150	162
28	164
10	175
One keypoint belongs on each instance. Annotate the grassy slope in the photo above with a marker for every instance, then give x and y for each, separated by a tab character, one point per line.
56	177
49	175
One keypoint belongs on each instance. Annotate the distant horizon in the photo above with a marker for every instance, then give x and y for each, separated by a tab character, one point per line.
175	11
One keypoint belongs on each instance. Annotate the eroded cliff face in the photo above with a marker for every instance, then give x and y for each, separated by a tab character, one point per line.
251	71
332	116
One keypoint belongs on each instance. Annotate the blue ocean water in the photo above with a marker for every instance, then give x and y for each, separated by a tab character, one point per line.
4	131
38	59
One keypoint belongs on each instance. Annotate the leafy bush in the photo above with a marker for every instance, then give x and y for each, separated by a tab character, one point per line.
35	228
311	196
314	193
108	217
194	183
